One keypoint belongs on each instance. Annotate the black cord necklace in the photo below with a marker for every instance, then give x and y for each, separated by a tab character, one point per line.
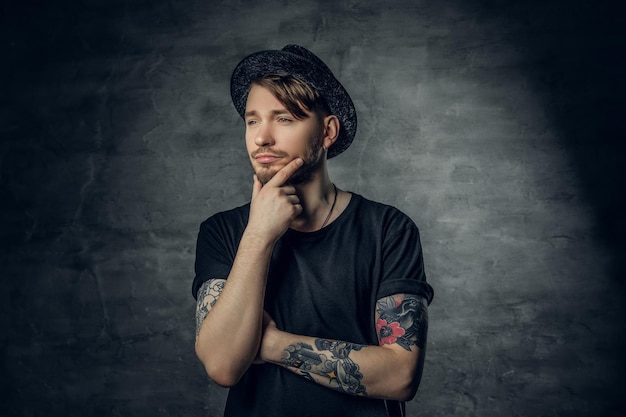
331	208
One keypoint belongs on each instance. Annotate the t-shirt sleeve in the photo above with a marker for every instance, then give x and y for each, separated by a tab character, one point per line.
215	252
403	264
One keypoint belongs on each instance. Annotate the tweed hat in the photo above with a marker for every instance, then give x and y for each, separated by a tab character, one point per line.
303	64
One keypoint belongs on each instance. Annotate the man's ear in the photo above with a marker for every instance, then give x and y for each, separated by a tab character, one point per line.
331	130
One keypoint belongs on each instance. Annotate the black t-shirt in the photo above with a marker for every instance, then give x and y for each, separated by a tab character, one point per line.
322	284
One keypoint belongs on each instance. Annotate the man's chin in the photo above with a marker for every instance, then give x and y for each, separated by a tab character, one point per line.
265	174
298	178
265	177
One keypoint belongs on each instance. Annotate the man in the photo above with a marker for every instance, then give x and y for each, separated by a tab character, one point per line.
311	300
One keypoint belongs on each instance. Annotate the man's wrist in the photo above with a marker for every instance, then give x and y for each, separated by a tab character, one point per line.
271	346
258	240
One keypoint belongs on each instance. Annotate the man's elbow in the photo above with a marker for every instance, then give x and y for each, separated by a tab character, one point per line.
220	371
404	388
407	381
222	377
407	392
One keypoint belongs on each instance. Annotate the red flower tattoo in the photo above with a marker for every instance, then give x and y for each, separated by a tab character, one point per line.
388	332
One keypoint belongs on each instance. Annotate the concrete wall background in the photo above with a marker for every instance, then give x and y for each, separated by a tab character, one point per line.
498	127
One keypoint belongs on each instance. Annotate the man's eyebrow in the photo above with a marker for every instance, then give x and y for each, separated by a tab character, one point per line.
276	112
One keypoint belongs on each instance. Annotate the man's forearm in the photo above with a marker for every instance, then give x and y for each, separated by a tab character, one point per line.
373	371
229	335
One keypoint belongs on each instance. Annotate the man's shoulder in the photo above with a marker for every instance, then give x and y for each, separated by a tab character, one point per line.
232	217
381	212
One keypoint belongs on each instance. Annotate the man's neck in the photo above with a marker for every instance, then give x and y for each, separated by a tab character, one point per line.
317	197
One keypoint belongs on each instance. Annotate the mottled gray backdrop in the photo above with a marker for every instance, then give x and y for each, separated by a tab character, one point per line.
498	126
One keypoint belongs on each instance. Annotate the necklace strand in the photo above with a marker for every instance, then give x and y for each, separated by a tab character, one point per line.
331	208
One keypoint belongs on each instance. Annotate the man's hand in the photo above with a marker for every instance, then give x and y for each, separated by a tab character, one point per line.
275	205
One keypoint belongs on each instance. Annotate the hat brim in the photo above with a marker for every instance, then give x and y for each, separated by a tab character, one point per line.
315	73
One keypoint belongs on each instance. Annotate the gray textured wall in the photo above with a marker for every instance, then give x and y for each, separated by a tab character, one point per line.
497	126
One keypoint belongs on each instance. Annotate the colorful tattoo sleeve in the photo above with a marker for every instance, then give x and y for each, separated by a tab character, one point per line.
208	294
402	319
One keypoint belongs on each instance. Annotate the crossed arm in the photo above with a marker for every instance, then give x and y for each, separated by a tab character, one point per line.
234	308
391	370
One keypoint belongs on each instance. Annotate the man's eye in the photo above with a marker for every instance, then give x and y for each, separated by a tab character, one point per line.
284	120
251	122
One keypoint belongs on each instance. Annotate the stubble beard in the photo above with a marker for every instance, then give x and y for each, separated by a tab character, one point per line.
311	161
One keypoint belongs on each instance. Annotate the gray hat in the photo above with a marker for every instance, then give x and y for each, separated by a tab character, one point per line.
300	63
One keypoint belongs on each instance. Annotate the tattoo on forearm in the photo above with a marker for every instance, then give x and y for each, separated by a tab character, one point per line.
207	296
342	372
402	319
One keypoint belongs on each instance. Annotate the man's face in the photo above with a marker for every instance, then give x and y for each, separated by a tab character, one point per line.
274	137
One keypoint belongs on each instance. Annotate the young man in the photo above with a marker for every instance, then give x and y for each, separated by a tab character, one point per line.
311	300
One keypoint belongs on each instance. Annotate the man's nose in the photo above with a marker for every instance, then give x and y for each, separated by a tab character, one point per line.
264	136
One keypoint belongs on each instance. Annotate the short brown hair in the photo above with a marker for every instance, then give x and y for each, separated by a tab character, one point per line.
296	95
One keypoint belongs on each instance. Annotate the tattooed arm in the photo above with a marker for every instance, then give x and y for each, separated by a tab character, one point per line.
391	370
229	315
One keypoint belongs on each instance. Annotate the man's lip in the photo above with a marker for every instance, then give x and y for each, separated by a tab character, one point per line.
266	158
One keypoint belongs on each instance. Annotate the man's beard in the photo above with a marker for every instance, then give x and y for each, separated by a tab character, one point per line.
304	174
